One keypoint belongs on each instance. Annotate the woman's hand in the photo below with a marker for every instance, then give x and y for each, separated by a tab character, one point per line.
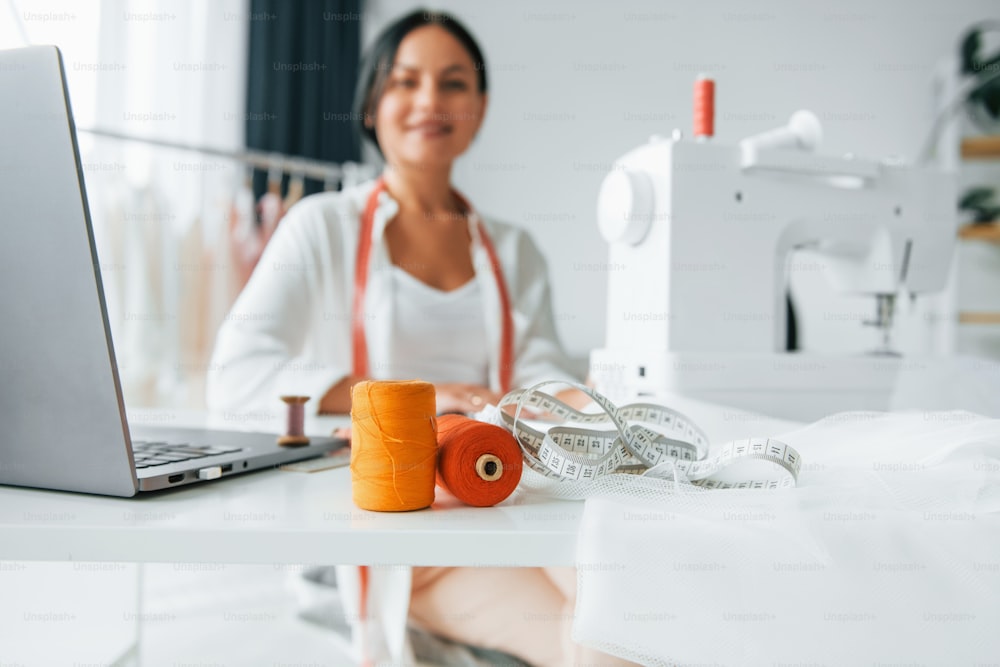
575	398
468	398
337	400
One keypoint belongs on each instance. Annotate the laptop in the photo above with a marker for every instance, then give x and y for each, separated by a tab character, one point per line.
62	416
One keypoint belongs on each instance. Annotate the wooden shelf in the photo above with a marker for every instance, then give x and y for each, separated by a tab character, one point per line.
970	317
981	232
981	148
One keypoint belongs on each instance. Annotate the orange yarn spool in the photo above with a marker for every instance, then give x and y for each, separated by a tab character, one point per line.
478	463
393	445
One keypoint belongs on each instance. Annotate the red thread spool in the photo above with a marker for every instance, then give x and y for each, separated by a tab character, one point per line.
704	107
478	463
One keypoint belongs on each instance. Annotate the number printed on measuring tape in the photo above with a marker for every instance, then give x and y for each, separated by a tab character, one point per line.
641	439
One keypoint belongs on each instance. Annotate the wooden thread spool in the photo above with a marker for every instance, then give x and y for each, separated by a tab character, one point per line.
478	463
295	426
393	445
489	468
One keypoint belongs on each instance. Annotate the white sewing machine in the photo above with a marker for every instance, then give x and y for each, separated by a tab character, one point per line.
701	235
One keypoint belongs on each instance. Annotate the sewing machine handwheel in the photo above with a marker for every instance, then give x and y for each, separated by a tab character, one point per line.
625	206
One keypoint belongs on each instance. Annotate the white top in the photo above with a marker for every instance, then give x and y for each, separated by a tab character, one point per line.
289	331
439	336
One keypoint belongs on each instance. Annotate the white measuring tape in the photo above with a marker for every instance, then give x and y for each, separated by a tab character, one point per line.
661	443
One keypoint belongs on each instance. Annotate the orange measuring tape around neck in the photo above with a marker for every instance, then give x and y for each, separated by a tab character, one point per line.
360	345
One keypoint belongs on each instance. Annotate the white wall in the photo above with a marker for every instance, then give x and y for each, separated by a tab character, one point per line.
576	84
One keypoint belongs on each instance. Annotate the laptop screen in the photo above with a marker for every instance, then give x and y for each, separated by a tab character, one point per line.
60	402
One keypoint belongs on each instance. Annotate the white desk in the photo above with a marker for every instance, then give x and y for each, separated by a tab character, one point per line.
281	518
274	517
278	516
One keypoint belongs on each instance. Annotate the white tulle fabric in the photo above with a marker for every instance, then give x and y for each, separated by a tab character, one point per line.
887	552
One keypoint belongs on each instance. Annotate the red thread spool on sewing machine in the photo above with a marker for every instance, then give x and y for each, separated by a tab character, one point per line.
704	107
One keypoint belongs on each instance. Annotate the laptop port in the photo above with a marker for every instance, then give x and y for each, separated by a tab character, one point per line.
173	479
227	468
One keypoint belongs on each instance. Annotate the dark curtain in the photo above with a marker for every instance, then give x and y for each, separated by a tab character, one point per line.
303	66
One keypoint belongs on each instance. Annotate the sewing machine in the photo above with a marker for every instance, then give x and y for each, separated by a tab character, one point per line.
701	237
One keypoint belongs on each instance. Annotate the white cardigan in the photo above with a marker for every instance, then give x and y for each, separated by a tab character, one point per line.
289	331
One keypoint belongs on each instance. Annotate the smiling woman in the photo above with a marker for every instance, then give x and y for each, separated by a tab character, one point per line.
406	280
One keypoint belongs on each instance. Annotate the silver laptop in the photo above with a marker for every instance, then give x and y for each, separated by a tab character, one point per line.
62	417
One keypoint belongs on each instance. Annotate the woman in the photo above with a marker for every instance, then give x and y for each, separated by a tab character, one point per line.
432	306
445	297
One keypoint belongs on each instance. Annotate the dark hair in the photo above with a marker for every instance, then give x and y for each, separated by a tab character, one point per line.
378	60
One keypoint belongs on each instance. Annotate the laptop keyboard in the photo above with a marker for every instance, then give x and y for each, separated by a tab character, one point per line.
149	453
